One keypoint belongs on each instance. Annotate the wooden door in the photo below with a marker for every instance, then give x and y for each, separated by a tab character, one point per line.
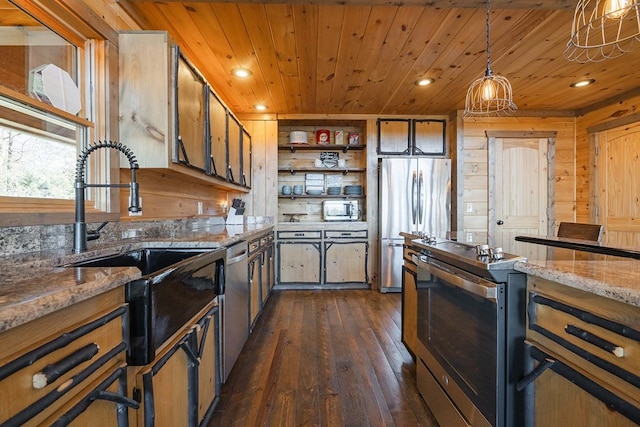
618	183
519	193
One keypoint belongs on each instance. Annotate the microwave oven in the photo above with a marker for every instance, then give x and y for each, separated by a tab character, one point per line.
340	210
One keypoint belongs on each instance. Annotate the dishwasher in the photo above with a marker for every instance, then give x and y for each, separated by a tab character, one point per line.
234	306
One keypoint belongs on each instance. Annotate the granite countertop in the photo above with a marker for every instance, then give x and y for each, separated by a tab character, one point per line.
34	284
612	277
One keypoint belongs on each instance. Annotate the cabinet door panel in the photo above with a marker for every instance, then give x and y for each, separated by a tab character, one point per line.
191	118
235	146
246	158
560	402
409	309
299	262
218	136
428	137
254	288
346	262
165	385
208	381
393	136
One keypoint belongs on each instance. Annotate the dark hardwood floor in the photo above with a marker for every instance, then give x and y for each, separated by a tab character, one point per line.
324	358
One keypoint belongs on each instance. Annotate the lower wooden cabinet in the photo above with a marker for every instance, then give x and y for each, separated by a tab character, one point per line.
255	299
410	308
182	385
334	258
300	258
583	352
261	274
68	367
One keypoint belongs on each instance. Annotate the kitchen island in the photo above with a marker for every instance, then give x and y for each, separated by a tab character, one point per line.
582	338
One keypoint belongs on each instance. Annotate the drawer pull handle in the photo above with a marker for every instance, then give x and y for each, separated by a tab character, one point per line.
533	375
298	234
595	340
52	372
115	397
345	234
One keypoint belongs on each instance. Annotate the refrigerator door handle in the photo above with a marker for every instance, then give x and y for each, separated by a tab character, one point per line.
420	198
414	201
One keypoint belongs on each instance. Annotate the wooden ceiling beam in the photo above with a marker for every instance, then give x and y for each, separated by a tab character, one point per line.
437	4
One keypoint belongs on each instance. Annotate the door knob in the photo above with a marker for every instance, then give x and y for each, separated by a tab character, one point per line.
500	222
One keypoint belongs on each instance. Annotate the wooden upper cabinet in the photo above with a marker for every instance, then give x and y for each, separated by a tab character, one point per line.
394	136
428	137
190	95
171	118
418	137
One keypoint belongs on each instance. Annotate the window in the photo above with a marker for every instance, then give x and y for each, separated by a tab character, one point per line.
49	111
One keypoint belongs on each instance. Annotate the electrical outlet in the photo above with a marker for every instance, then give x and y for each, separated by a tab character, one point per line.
469	207
469	237
200	210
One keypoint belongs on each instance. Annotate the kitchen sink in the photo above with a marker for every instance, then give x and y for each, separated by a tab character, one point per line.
175	285
148	261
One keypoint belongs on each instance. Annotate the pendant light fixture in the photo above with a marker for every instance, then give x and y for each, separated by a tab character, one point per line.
491	93
603	29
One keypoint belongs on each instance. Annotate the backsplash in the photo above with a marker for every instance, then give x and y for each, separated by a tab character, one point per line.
20	240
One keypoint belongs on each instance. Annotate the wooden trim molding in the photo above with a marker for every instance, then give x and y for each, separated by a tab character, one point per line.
520	134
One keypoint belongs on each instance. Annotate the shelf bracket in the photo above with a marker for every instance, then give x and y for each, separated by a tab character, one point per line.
344	172
293	149
292	171
345	149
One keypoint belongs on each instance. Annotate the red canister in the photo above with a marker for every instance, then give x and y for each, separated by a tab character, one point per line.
322	136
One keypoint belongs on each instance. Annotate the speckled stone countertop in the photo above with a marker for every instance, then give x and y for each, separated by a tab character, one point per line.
612	277
34	284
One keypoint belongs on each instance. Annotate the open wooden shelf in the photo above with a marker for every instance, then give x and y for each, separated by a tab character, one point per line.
319	147
319	196
344	171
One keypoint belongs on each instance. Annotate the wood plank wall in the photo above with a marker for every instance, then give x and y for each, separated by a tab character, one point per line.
472	179
167	194
606	116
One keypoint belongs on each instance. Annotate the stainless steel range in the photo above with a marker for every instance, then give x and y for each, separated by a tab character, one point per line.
471	328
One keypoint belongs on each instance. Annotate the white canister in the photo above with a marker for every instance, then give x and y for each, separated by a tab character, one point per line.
298	137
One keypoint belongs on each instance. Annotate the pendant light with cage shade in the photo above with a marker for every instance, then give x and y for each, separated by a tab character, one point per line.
491	93
603	29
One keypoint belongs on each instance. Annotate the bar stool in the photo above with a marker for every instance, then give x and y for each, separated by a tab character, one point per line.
580	231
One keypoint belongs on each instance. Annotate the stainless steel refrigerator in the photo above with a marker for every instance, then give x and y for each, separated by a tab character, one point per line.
415	196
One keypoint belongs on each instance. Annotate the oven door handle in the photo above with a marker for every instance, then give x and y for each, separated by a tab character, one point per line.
483	288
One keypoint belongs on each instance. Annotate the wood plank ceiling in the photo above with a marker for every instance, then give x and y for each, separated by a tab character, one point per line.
357	58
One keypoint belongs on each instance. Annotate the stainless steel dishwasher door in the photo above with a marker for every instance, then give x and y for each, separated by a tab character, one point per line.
235	306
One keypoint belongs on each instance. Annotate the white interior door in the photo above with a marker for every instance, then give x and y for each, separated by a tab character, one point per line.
519	192
618	183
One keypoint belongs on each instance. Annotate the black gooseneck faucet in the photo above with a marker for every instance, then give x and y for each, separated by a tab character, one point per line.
80	234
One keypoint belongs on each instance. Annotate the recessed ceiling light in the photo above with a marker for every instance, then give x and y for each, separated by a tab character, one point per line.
582	83
260	107
241	72
424	82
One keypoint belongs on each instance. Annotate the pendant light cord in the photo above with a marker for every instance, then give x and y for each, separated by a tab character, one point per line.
488	71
